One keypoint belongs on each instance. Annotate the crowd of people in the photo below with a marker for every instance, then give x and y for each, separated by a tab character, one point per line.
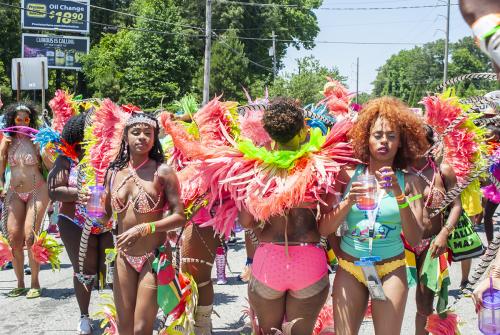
378	196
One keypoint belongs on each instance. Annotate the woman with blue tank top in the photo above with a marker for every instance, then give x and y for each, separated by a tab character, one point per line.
387	137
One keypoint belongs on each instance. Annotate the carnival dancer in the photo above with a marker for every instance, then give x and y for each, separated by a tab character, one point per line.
387	137
289	279
27	198
201	246
438	177
66	187
140	189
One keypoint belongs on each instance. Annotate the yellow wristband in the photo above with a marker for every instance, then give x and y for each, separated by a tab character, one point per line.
152	228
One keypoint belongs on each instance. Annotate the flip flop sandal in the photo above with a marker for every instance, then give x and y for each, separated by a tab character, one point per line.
19	291
34	293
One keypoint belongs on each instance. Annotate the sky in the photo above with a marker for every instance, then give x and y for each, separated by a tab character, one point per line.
402	25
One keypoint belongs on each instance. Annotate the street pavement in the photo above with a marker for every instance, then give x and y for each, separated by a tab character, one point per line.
56	312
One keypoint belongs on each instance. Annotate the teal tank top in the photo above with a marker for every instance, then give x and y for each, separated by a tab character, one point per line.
387	241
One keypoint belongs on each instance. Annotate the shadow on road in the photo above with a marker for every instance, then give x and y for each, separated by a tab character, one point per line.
58	293
224	298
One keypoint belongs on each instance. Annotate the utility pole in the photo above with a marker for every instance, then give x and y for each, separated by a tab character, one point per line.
274	54
357	78
445	74
208	51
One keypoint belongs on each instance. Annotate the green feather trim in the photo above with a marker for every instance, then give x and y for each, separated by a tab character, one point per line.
283	159
89	140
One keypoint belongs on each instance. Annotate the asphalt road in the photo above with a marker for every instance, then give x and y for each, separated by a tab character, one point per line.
56	311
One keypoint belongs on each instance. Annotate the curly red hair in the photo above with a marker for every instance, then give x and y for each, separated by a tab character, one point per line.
413	142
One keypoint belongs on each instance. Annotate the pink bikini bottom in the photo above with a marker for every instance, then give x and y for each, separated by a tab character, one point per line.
137	262
305	265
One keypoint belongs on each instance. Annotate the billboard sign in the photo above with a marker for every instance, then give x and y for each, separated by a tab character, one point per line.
56	15
31	73
62	52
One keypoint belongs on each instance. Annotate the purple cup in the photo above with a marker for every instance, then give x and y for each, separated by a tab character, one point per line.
489	313
95	206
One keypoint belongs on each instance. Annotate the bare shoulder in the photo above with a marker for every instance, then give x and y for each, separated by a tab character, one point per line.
166	171
447	170
413	182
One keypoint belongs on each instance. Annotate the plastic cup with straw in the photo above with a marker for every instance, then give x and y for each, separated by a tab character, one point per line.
487	318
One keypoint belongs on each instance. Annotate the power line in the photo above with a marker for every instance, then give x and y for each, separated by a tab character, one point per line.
254	4
329	42
381	8
141	30
105	24
138	16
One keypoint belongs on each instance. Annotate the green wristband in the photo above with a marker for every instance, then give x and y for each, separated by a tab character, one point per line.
416	197
404	205
153	228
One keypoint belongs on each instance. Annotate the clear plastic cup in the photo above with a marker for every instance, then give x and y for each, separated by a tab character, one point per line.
489	313
96	207
368	201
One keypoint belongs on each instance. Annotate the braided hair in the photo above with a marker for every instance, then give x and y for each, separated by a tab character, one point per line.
123	157
11	113
73	131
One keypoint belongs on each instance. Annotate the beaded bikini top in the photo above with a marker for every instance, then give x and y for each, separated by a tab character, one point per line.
143	202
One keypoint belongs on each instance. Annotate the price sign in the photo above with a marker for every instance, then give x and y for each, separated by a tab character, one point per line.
62	52
56	15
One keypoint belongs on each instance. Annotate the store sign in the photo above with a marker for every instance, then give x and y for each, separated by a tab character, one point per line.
62	52
56	15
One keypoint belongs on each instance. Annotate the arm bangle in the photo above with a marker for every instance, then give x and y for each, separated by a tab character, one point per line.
404	205
401	197
152	228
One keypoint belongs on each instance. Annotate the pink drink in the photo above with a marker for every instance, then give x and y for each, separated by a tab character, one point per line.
95	206
368	201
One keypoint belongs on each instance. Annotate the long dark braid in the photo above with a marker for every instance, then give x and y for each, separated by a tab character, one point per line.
123	157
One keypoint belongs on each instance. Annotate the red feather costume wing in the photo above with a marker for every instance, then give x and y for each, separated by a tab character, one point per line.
62	109
108	125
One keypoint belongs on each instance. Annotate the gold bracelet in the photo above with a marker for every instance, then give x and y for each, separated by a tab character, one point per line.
142	229
401	197
448	227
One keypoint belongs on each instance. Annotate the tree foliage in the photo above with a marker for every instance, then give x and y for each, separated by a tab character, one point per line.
307	83
409	74
157	50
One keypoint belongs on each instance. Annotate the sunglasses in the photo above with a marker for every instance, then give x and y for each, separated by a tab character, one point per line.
21	120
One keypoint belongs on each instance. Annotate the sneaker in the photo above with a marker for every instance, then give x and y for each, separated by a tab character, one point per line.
27	271
84	326
8	266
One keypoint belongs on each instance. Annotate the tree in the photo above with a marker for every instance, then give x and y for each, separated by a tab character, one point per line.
409	74
229	68
294	26
105	65
150	62
307	84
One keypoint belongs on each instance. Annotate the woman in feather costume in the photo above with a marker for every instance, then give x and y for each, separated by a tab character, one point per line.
289	280
387	137
438	178
66	185
140	188
200	243
26	199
